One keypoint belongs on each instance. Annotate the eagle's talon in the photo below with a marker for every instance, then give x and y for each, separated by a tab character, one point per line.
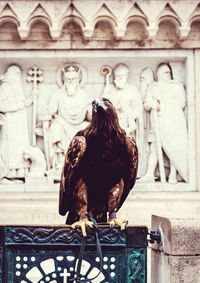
114	221
82	224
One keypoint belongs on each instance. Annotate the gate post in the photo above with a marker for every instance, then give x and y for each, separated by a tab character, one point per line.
177	257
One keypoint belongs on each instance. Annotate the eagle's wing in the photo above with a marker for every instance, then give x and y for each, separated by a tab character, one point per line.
73	156
131	172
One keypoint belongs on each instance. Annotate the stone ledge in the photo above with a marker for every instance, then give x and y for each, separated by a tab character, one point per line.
170	269
180	236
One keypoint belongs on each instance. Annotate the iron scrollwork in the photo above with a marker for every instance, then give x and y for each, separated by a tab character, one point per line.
136	263
65	235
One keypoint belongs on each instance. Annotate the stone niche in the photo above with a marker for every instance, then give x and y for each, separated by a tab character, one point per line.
48	66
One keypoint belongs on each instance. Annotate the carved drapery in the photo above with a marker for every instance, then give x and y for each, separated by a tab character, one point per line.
93	83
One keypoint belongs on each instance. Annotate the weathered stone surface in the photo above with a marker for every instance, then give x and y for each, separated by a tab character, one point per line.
105	24
180	236
177	258
42	208
170	269
160	269
185	269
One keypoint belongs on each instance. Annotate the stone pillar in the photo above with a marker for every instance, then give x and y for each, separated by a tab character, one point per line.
177	258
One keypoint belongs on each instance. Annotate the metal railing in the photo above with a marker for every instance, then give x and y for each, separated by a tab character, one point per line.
40	254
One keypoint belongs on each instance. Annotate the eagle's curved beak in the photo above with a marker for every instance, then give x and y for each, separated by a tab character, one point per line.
98	103
95	103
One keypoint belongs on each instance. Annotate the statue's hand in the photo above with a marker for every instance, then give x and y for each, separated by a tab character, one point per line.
155	105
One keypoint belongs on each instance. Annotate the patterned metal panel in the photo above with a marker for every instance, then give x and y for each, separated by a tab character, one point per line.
50	254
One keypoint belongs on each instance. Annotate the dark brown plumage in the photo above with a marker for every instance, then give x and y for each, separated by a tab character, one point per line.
100	167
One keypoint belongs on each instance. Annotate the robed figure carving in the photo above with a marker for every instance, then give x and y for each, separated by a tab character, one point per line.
128	103
14	135
165	99
146	78
70	110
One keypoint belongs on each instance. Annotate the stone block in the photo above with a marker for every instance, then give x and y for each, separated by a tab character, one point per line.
180	236
169	269
160	269
184	269
36	184
177	258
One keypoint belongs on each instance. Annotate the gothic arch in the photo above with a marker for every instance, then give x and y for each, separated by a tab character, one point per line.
9	19
139	19
37	19
194	19
77	20
173	20
106	19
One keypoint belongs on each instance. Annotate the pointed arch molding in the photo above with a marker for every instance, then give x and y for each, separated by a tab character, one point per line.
55	14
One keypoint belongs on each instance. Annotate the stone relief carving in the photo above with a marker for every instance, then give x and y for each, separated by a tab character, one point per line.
146	78
37	161
70	110
154	113
127	100
14	126
35	77
167	131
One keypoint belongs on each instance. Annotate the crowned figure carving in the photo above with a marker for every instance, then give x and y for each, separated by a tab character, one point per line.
70	111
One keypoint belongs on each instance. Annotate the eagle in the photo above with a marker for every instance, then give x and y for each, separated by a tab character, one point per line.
99	171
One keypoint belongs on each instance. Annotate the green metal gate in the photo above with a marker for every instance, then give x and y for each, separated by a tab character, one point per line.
40	254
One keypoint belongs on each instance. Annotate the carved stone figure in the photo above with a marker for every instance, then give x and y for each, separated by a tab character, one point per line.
70	110
146	78
14	131
127	100
37	160
165	99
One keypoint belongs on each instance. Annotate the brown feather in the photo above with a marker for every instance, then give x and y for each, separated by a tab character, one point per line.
100	167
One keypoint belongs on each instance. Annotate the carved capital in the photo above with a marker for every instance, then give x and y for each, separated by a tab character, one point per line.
23	33
152	31
55	33
184	32
120	32
87	33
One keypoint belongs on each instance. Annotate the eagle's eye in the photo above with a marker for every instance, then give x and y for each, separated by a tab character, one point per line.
106	101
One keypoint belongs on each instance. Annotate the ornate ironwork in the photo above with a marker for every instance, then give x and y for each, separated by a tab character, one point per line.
64	235
49	254
136	265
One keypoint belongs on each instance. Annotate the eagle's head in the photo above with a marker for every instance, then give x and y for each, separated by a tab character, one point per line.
104	116
102	107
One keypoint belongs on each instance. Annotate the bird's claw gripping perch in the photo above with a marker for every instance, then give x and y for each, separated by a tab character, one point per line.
122	224
82	224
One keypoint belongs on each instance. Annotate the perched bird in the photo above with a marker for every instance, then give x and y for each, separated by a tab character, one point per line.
100	169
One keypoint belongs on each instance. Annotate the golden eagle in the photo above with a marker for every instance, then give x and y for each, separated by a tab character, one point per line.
100	169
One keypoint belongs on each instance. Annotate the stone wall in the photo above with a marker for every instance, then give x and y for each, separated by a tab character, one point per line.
109	24
176	258
139	34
